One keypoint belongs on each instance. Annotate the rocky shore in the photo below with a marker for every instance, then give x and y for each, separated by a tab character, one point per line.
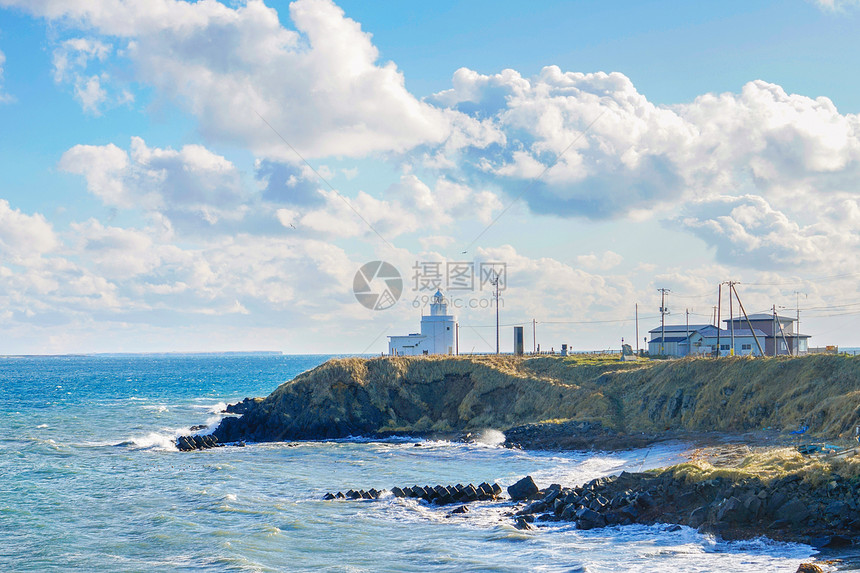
824	515
789	509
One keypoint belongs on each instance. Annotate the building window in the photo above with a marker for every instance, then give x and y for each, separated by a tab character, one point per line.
746	346
724	346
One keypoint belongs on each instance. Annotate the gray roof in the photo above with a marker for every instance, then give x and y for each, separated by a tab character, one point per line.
680	328
668	339
761	316
711	332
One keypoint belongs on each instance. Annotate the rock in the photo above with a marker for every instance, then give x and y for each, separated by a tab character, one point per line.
838	541
521	523
698	516
837	508
328	496
819	542
732	510
534	507
568	512
397	492
673	528
523	489
776	501
794	511
809	568
589	519
461	509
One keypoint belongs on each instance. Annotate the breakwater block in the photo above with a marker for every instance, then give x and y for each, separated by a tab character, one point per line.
188	443
438	495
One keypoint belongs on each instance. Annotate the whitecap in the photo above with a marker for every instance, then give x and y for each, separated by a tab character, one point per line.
490	437
157	408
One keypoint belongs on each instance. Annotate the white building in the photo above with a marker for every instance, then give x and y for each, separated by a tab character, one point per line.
438	332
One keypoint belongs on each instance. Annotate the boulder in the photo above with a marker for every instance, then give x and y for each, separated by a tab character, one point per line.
589	519
523	489
698	516
795	511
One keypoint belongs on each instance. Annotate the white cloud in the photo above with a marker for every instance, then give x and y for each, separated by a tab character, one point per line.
747	231
72	59
24	237
835	5
74	55
408	206
192	186
320	86
603	261
4	97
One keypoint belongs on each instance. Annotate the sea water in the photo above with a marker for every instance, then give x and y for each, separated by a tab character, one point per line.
90	481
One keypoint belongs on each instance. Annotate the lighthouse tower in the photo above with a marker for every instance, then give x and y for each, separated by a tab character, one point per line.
438	330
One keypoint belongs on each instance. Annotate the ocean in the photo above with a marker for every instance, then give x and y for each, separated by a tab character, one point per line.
90	481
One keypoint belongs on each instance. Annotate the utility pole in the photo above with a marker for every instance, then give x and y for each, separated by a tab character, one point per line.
637	329
731	285
719	314
663	312
534	336
773	329
495	282
797	324
457	342
749	324
688	331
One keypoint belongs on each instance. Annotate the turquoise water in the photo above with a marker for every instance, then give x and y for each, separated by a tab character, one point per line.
90	481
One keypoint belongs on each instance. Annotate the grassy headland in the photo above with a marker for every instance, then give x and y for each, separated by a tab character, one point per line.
355	396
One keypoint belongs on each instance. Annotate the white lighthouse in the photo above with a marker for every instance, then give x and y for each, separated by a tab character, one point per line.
438	331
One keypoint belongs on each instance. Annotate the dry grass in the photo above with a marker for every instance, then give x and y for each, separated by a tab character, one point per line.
770	465
473	392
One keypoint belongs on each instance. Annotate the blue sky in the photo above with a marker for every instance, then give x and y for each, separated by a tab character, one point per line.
149	201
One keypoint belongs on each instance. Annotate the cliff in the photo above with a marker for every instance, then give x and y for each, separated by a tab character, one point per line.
357	396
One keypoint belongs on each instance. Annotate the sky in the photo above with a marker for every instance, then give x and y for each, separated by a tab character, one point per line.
211	176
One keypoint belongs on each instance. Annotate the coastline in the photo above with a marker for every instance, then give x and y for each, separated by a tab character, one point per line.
733	413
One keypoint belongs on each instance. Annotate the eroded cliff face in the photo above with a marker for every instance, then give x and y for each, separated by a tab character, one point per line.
355	396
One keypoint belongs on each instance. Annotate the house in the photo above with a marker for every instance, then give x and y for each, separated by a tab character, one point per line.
437	336
781	337
767	331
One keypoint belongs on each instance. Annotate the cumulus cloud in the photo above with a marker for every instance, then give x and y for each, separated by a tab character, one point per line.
408	206
747	231
22	236
320	85
192	186
771	164
591	145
